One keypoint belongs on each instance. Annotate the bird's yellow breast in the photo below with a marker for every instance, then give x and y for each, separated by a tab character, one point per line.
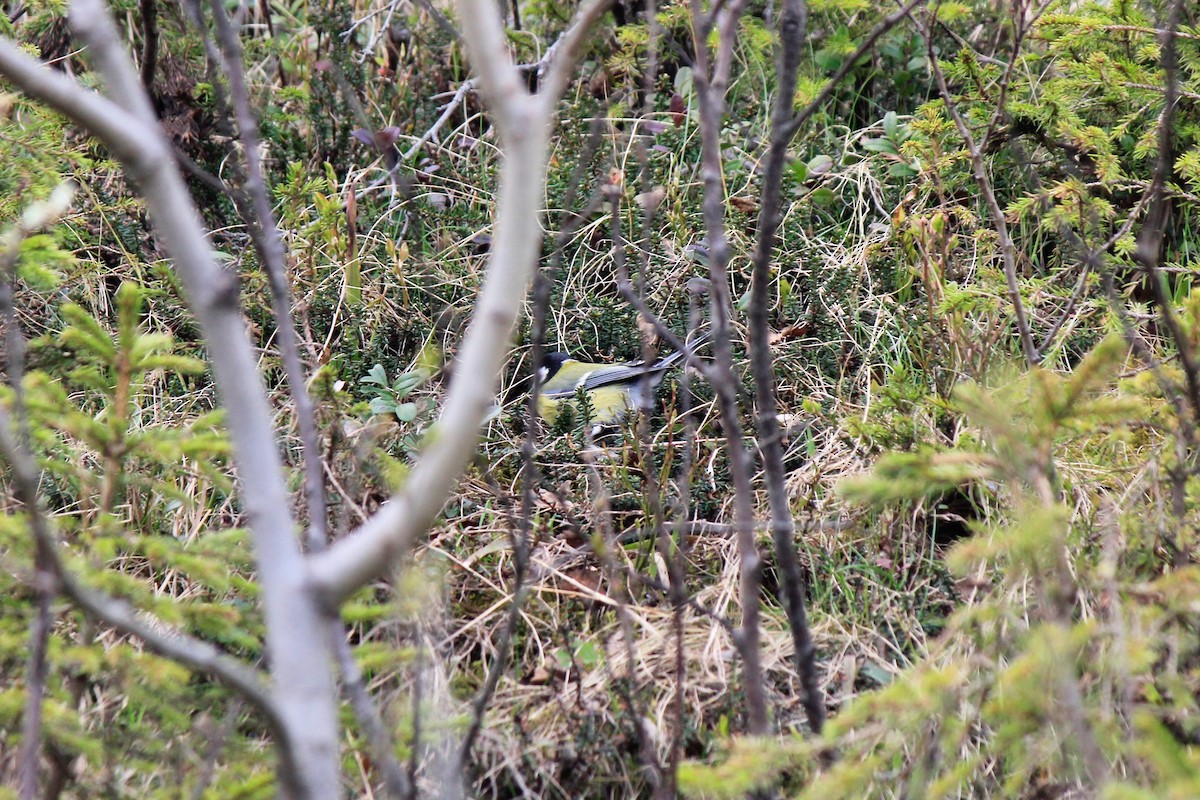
609	404
548	409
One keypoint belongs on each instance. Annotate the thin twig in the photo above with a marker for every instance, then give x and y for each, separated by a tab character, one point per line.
605	544
149	43
194	653
215	742
1149	246
1020	25
1091	261
659	783
792	34
268	244
395	779
447	111
524	122
669	550
440	19
710	89
697	291
43	580
45	586
418	717
1007	248
521	535
304	713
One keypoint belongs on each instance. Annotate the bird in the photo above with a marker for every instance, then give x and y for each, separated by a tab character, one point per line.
611	389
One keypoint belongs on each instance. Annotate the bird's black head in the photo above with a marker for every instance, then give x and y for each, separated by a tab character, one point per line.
552	363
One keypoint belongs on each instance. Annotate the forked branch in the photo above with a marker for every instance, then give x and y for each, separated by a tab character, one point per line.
523	121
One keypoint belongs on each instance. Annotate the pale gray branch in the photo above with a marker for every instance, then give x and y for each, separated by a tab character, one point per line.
104	119
560	58
523	122
305	691
509	102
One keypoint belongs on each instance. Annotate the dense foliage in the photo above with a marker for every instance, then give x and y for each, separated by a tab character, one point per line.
1000	557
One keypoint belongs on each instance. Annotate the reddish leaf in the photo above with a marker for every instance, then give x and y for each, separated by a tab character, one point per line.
677	108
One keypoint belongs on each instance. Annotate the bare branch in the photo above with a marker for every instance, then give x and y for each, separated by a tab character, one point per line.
553	70
149	10
460	95
509	103
1021	24
660	783
1091	259
521	536
44	581
792	33
193	653
46	588
259	215
440	19
1149	246
126	125
888	22
264	232
711	93
370	721
606	546
116	127
676	552
560	58
524	125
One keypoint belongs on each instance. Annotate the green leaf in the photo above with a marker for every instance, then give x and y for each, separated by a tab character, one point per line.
822	197
588	655
377	375
799	171
880	146
409	381
382	405
891	125
820	164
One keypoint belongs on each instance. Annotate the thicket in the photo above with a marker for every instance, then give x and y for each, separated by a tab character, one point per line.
995	513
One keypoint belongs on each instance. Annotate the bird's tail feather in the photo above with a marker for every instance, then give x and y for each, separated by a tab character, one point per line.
623	373
695	344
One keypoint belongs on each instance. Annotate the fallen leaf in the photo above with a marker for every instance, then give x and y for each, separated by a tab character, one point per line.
650	200
790	332
746	205
540	677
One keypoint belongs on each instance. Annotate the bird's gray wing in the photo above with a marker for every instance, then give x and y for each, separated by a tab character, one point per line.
628	372
623	373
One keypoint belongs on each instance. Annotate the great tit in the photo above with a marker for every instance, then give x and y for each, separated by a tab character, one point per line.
611	389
